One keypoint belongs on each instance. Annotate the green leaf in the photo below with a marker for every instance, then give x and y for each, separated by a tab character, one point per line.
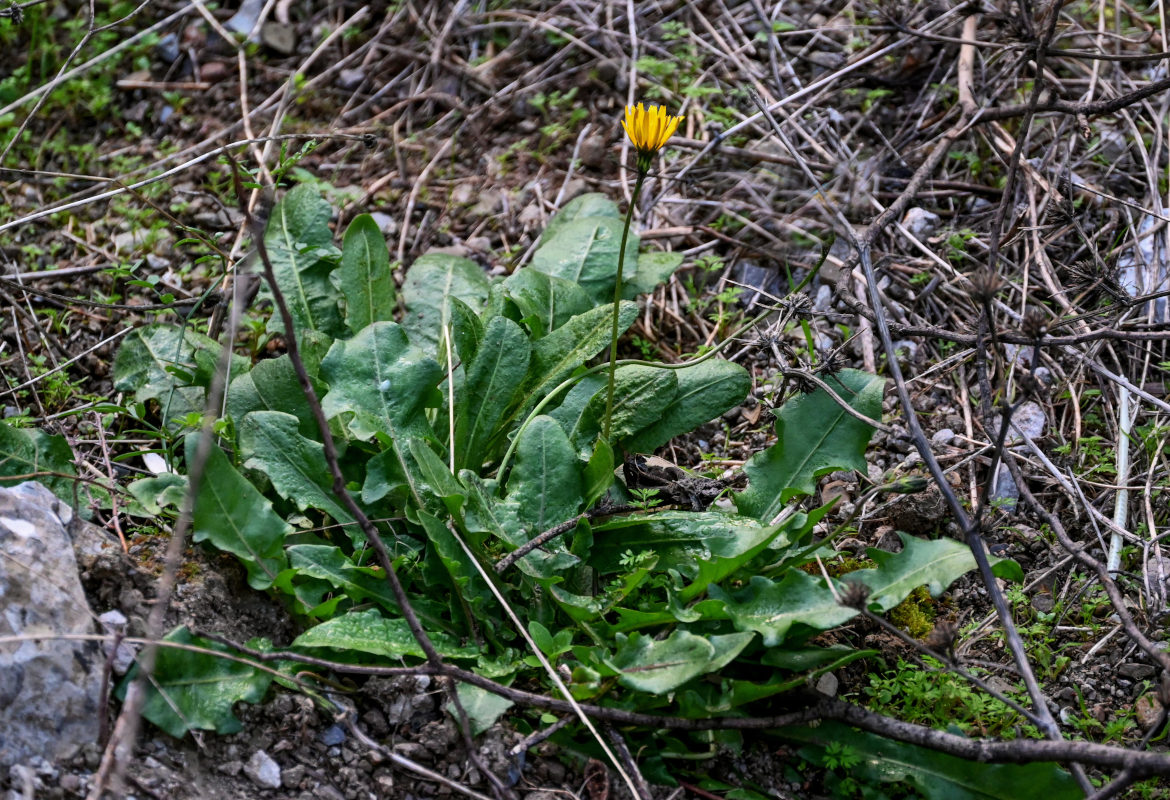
384	382
494	379
26	451
654	268
557	355
585	252
550	300
369	632
330	564
270	443
234	517
300	247
938	776
364	275
591	204
598	474
750	544
815	436
500	518
156	493
659	666
771	609
466	330
546	481
571	413
469	585
430	283
482	707
158	362
705	391
935	564
641	396
682	540
272	385
196	691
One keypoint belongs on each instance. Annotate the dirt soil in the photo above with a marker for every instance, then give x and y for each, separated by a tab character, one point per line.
465	126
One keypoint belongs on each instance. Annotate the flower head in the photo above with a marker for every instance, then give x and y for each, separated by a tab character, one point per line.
648	129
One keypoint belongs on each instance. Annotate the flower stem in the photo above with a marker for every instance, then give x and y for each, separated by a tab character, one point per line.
617	300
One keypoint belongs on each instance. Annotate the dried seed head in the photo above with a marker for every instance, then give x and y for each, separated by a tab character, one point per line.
802	380
942	638
800	304
832	363
985	284
855	595
1030	384
1035	324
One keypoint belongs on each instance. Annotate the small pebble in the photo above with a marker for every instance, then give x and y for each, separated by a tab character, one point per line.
263	770
333	736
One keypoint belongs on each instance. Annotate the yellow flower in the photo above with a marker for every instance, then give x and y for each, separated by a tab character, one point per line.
648	129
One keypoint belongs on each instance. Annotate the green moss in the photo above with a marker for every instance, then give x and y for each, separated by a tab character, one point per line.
916	613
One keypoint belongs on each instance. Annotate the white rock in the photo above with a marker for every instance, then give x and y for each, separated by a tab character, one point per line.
920	222
263	770
49	688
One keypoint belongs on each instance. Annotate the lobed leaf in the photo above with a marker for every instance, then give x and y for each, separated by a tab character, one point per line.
271	443
370	632
25	452
231	514
300	248
382	384
815	436
196	691
493	381
704	392
431	283
938	776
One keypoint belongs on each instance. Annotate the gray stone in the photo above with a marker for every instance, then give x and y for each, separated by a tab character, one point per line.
920	222
49	688
263	770
115	622
291	778
1006	494
827	684
824	299
491	202
246	17
333	735
1029	418
167	48
906	350
386	223
281	38
350	79
1043	602
763	283
943	437
1137	672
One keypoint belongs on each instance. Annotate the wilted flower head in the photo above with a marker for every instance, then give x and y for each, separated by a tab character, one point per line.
648	129
985	284
854	595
